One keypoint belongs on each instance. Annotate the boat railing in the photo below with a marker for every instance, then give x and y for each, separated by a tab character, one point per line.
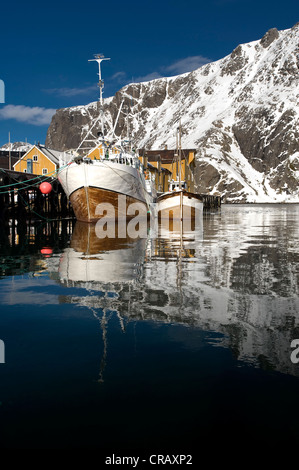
124	159
175	185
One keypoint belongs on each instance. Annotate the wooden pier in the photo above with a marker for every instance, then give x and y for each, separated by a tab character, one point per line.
210	202
21	198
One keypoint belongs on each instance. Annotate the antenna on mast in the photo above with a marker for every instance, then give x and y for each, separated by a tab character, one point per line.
99	58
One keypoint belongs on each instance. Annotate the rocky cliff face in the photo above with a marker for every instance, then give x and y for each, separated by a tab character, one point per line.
241	113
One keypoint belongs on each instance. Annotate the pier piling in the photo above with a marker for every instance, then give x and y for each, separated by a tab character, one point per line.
21	198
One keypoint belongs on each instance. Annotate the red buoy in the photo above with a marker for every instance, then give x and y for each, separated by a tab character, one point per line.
46	251
45	187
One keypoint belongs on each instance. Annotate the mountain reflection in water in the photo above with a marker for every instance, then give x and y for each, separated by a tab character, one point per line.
120	344
237	278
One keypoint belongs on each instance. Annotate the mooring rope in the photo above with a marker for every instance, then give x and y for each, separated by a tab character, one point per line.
24	183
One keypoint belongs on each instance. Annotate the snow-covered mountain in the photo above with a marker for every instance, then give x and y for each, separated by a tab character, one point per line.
17	146
240	113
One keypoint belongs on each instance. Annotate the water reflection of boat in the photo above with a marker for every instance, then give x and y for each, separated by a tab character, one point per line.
104	267
242	290
238	284
95	262
187	230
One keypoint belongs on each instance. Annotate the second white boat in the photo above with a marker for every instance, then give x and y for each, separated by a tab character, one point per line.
179	203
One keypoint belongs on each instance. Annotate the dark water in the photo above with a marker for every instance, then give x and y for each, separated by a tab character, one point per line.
152	345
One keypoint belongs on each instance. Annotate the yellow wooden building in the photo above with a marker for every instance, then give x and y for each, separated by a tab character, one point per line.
162	165
166	164
40	160
159	174
99	152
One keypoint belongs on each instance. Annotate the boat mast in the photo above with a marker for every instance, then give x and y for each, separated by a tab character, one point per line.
176	155
99	58
180	157
180	170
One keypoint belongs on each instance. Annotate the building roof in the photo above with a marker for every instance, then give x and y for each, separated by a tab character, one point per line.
54	156
4	161
166	155
13	153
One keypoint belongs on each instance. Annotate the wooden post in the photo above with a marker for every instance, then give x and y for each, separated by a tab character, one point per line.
145	161
159	173
9	166
187	174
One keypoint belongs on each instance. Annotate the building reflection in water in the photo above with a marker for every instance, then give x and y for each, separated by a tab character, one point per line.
236	277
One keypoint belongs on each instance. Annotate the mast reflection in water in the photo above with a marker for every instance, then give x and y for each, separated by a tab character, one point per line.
145	344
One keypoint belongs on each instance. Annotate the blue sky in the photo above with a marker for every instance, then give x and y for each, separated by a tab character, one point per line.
45	47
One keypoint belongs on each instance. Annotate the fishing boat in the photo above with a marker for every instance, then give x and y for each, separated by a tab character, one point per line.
115	180
179	203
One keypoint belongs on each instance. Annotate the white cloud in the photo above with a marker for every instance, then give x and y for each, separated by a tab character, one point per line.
119	76
180	66
187	65
148	77
35	115
68	92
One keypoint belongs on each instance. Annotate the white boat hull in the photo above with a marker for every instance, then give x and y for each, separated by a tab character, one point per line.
179	204
89	184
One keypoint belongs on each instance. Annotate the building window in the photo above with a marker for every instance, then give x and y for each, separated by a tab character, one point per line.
25	171
34	158
45	171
